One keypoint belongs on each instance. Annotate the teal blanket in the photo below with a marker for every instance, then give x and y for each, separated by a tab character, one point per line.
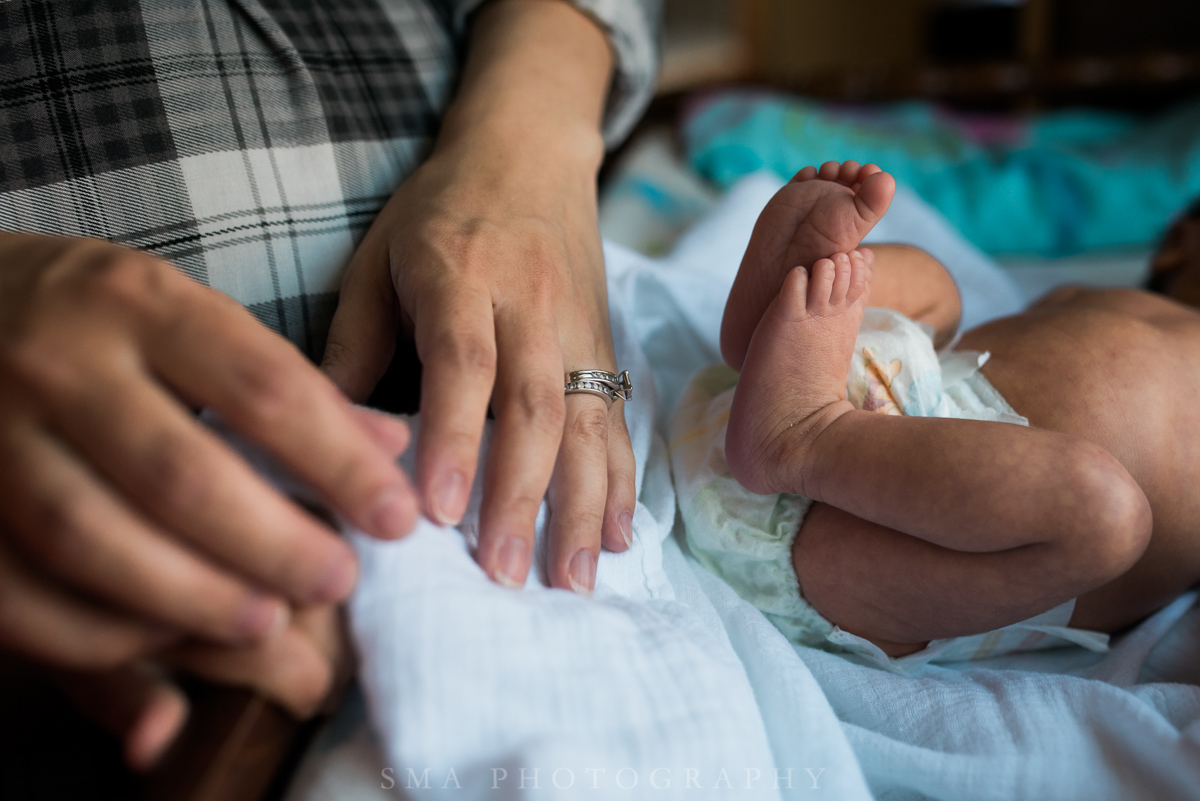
1051	183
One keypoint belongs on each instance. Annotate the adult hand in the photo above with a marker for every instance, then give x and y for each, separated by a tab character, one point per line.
490	252
141	706
126	524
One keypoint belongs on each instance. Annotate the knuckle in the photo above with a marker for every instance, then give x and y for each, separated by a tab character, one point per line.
64	536
456	241
48	365
469	354
465	249
133	282
589	426
176	475
462	446
582	517
522	507
540	405
35	368
542	269
268	390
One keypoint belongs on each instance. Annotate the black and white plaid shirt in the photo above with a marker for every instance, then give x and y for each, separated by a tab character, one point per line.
250	142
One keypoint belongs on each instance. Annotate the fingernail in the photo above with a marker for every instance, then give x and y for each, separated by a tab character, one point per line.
394	514
450	499
510	563
339	581
262	617
626	524
581	573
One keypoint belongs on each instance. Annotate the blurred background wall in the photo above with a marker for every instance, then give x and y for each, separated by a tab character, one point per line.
1000	53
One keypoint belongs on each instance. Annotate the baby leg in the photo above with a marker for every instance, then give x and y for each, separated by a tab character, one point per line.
988	523
910	281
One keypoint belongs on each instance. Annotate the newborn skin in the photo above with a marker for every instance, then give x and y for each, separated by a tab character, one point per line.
926	528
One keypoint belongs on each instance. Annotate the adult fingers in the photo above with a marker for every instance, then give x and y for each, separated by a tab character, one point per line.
221	358
136	703
198	489
74	528
362	335
299	668
387	431
529	408
456	340
622	483
578	492
43	622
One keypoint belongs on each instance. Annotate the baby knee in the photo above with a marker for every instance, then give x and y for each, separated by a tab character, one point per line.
1116	519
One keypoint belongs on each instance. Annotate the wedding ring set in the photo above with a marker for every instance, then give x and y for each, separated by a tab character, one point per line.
610	386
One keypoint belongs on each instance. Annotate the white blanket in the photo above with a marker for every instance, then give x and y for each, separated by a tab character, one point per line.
669	685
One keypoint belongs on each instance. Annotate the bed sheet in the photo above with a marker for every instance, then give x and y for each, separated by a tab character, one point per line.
669	685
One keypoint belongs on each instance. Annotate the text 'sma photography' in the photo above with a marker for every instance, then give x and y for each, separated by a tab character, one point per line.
625	779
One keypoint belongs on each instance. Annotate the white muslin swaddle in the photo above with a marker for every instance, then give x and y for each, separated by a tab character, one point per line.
746	539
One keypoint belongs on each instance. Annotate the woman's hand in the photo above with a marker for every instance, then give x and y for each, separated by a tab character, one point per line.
139	704
126	524
491	253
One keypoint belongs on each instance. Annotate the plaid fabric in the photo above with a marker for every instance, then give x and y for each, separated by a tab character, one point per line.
250	142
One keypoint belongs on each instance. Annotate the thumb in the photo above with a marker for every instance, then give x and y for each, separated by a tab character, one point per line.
362	336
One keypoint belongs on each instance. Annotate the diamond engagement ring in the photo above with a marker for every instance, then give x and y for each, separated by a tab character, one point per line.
609	386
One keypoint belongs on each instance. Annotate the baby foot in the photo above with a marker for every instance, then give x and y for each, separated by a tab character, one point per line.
818	213
793	381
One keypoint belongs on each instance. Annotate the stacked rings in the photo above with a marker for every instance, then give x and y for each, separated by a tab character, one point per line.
609	386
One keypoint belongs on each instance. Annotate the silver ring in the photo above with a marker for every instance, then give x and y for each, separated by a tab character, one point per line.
610	386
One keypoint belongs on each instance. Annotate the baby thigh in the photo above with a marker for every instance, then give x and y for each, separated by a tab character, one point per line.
900	592
912	282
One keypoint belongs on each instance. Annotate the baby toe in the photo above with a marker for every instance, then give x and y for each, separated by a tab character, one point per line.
794	291
820	286
806	174
860	276
829	170
841	279
874	195
863	174
848	174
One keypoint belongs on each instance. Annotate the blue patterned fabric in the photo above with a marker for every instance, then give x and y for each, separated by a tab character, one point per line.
1051	184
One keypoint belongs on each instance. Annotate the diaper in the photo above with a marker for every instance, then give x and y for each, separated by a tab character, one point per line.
746	539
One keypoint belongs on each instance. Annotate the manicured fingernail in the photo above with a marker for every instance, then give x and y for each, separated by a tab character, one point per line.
394	514
450	499
339	581
626	524
581	573
511	568
262	617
